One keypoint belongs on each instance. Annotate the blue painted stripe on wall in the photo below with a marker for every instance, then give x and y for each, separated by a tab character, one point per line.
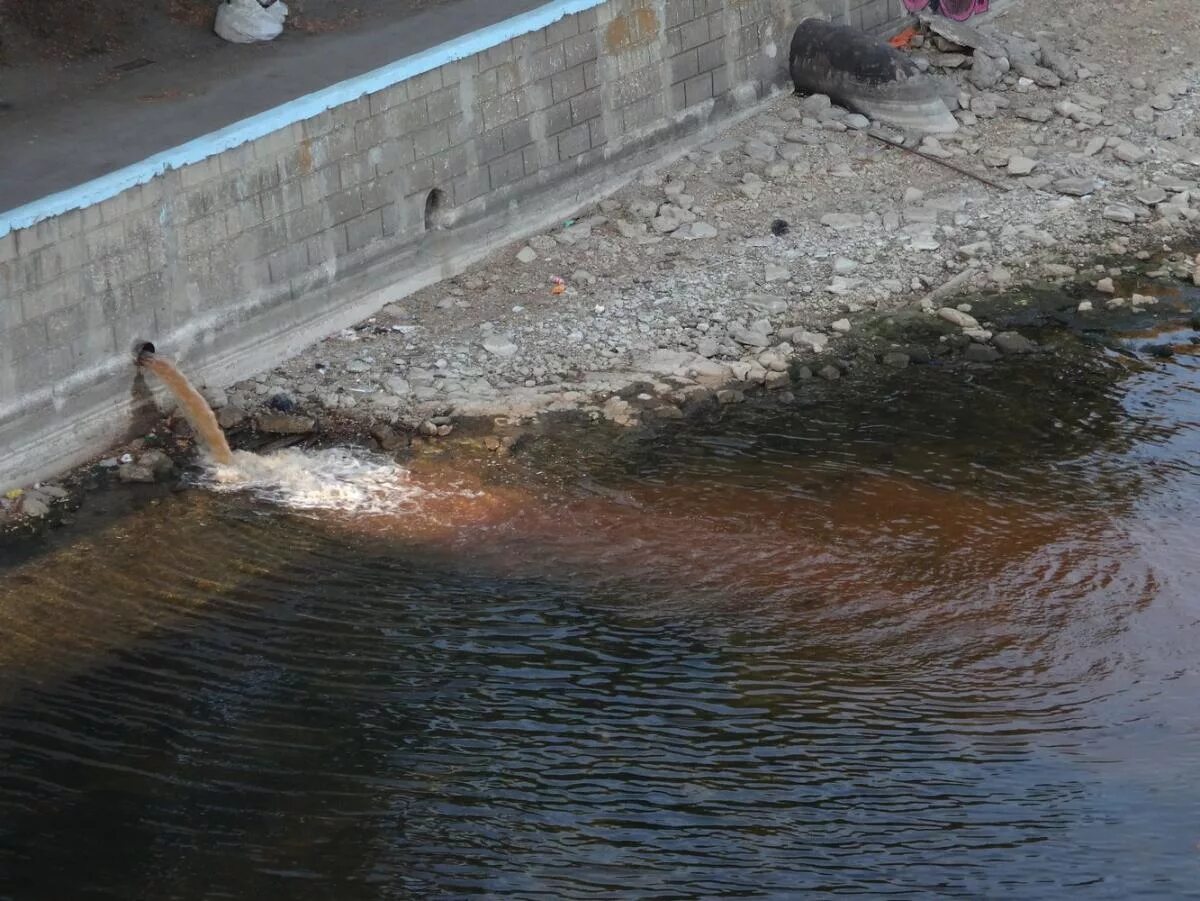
255	127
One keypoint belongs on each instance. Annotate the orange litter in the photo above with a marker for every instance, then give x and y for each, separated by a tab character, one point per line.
904	38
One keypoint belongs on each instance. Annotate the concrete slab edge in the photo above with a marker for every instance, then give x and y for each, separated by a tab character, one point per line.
262	124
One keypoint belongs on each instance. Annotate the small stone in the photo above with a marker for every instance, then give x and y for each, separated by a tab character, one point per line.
358	366
804	339
1058	270
1151	196
526	254
698	231
1169	129
842	326
284	424
1162	103
1094	146
750	337
231	416
135	472
1119	212
760	152
389	439
773	273
1034	113
282	403
984	106
1106	286
1013	343
896	360
159	463
1129	153
1075	186
499	345
815	105
857	122
830	373
1020	165
35	508
958	317
976	249
844	266
980	353
427	429
1085	306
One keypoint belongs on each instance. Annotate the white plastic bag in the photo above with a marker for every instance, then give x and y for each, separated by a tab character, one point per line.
247	21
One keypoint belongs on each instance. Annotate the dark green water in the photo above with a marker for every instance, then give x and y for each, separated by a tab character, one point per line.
937	641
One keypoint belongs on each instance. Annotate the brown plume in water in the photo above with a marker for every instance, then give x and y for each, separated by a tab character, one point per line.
195	407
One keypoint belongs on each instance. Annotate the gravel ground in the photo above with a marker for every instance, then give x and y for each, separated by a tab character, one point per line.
772	243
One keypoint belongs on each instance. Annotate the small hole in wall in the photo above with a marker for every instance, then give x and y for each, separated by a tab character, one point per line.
435	211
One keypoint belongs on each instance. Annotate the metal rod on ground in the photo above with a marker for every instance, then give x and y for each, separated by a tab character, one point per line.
933	159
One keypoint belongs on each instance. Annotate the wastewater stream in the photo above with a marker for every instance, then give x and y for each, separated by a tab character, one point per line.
938	638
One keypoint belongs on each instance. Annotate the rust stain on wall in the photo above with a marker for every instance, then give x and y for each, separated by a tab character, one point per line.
635	28
306	157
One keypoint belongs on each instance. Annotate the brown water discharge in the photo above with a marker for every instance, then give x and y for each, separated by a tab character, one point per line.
194	407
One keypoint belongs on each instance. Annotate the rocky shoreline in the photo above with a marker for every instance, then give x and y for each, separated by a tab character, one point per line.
800	248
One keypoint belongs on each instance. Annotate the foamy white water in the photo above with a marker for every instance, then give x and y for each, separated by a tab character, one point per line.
339	478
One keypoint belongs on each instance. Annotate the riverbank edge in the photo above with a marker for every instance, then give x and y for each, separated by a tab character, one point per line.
955	331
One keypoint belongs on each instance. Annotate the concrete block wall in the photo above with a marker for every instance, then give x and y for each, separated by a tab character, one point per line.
234	262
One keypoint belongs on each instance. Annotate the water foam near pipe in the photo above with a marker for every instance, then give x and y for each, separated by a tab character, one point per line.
343	479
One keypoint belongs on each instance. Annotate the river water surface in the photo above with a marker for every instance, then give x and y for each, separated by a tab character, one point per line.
936	639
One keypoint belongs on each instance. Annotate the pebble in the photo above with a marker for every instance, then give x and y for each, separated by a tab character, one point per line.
841	326
760	152
499	345
526	254
1151	196
1013	343
1129	153
1020	165
830	373
1106	286
1119	212
896	360
958	317
284	424
1076	186
980	353
857	122
36	508
1034	113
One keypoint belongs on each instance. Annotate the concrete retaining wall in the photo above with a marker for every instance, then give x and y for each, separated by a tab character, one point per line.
298	223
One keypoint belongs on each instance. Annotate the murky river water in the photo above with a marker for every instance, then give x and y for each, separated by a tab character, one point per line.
937	641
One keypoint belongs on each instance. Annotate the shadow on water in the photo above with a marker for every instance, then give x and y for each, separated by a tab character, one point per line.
934	637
